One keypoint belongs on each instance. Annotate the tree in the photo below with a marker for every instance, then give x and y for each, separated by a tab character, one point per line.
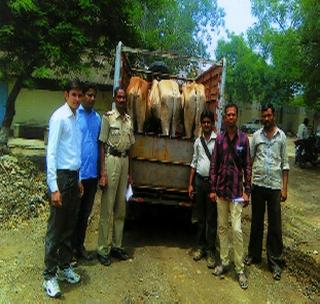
310	45
38	37
182	26
246	71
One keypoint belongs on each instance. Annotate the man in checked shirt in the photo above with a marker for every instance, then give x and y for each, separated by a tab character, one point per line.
230	177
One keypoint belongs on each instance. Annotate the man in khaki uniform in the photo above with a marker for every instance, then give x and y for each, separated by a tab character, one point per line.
116	137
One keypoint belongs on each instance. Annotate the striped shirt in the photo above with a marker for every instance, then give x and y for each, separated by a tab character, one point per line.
230	167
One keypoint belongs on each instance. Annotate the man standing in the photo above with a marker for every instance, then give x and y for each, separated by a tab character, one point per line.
90	122
63	163
230	172
116	138
206	210
270	180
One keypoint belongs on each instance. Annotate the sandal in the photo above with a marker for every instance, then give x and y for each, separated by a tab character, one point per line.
243	281
277	274
220	270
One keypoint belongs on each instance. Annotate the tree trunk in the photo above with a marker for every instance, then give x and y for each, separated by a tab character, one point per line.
10	112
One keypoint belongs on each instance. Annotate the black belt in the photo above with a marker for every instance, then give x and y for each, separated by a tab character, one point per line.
204	178
114	152
68	172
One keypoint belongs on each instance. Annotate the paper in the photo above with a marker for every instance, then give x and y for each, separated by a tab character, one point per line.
129	193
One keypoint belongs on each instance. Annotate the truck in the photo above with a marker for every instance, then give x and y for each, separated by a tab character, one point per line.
161	164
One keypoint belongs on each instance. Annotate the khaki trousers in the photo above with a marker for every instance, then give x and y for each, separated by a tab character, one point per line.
113	205
224	206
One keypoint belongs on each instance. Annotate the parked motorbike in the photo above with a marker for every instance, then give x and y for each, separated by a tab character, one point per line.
307	151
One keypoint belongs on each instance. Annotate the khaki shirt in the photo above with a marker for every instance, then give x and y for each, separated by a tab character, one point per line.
117	130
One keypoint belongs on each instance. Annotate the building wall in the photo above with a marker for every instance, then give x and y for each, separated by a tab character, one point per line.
35	106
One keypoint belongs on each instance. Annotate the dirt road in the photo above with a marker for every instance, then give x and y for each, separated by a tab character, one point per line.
162	270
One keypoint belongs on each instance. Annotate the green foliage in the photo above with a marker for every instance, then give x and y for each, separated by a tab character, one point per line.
287	35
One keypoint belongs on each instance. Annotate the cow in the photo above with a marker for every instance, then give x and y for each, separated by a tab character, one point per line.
170	106
194	100
137	92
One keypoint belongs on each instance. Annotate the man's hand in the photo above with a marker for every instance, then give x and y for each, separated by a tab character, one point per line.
81	189
56	199
103	181
283	196
190	191
213	196
245	197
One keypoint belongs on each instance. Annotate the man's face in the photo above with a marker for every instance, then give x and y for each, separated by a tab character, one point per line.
73	98
268	118
231	117
121	101
89	99
206	125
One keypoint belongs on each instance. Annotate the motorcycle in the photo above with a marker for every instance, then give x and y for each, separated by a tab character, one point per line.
307	151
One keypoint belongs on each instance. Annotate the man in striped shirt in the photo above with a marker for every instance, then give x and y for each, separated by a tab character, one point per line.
230	177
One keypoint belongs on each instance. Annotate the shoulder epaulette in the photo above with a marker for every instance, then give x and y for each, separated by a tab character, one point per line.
108	113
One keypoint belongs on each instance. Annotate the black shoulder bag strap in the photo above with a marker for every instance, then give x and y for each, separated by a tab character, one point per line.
205	147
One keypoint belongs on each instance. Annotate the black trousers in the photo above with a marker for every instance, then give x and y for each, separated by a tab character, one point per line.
261	197
207	216
86	203
61	224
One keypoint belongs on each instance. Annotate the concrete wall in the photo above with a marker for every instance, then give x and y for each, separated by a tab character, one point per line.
36	106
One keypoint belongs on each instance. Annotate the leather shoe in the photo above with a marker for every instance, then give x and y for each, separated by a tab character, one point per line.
104	259
249	260
119	253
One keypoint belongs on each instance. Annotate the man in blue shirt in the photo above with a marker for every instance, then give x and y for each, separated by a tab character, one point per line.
89	121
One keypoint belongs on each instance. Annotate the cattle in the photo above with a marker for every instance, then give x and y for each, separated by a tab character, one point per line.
170	106
194	100
137	92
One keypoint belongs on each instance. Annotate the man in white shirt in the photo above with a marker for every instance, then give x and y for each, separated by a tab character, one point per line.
206	210
270	171
63	163
303	132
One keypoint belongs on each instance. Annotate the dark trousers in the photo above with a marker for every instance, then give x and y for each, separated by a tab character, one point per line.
86	203
61	223
207	216
261	197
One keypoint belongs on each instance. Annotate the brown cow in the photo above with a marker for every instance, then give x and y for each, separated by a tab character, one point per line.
194	100
170	106
137	92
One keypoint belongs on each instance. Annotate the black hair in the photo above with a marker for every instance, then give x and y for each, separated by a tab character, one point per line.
74	84
117	89
267	106
306	121
207	114
230	105
89	85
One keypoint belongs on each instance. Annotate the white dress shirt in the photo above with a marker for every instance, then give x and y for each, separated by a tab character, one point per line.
64	144
200	160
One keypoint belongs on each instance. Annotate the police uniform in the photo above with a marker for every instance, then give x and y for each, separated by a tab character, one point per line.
117	135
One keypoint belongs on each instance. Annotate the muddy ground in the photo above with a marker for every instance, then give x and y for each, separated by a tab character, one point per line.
161	269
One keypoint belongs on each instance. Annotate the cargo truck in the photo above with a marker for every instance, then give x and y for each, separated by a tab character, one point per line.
161	165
